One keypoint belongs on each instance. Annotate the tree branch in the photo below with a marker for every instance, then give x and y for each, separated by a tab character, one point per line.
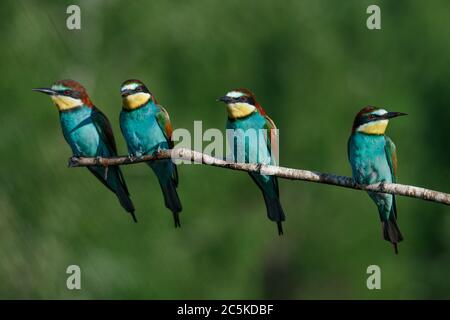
282	172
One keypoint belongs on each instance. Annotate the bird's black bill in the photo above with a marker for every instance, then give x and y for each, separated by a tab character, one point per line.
225	99
390	115
45	90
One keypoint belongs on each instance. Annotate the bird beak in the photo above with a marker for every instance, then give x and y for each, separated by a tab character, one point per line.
225	99
390	115
45	90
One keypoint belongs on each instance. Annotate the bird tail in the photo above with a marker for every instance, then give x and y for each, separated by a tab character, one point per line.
115	182
125	201
275	211
391	232
171	199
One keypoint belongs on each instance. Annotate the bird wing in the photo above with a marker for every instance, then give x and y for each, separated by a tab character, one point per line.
104	129
391	156
163	119
272	145
272	139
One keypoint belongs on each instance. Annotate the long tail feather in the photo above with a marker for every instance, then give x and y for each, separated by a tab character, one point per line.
115	182
280	228
171	199
176	219
125	201
275	211
391	233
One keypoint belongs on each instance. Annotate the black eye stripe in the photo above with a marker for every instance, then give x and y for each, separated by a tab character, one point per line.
367	118
70	93
246	99
140	89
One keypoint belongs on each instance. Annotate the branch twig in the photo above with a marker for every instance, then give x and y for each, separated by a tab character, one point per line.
282	172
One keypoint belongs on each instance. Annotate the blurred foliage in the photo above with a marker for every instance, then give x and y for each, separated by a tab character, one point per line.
312	64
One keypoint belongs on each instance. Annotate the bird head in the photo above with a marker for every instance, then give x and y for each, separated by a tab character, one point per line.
372	120
240	103
67	94
135	94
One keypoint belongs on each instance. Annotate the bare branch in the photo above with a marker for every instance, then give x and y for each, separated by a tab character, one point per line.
282	172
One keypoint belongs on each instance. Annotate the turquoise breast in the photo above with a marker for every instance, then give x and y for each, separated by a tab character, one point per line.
247	139
142	131
367	156
80	132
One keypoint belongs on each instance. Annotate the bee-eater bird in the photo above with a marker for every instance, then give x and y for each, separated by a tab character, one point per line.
373	158
245	113
88	132
147	129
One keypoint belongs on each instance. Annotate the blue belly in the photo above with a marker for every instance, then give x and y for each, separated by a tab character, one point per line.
142	131
247	141
81	134
367	156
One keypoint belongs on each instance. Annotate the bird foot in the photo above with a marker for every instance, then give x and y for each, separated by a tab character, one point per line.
131	157
359	185
258	167
158	151
98	161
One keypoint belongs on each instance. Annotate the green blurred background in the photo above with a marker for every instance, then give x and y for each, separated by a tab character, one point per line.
312	64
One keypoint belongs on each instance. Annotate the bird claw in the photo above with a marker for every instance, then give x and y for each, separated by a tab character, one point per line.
258	167
359	185
132	157
98	161
73	161
157	151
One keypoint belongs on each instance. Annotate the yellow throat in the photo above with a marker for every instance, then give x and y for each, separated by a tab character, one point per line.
135	100
66	103
239	110
376	127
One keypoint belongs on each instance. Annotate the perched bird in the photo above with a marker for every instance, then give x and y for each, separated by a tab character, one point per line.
88	132
244	115
147	129
373	158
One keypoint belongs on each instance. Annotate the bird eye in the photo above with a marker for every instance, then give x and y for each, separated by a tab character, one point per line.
139	89
242	99
371	117
66	92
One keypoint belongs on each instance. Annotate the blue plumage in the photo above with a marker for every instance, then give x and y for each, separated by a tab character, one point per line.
252	139
373	159
88	132
368	158
146	128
